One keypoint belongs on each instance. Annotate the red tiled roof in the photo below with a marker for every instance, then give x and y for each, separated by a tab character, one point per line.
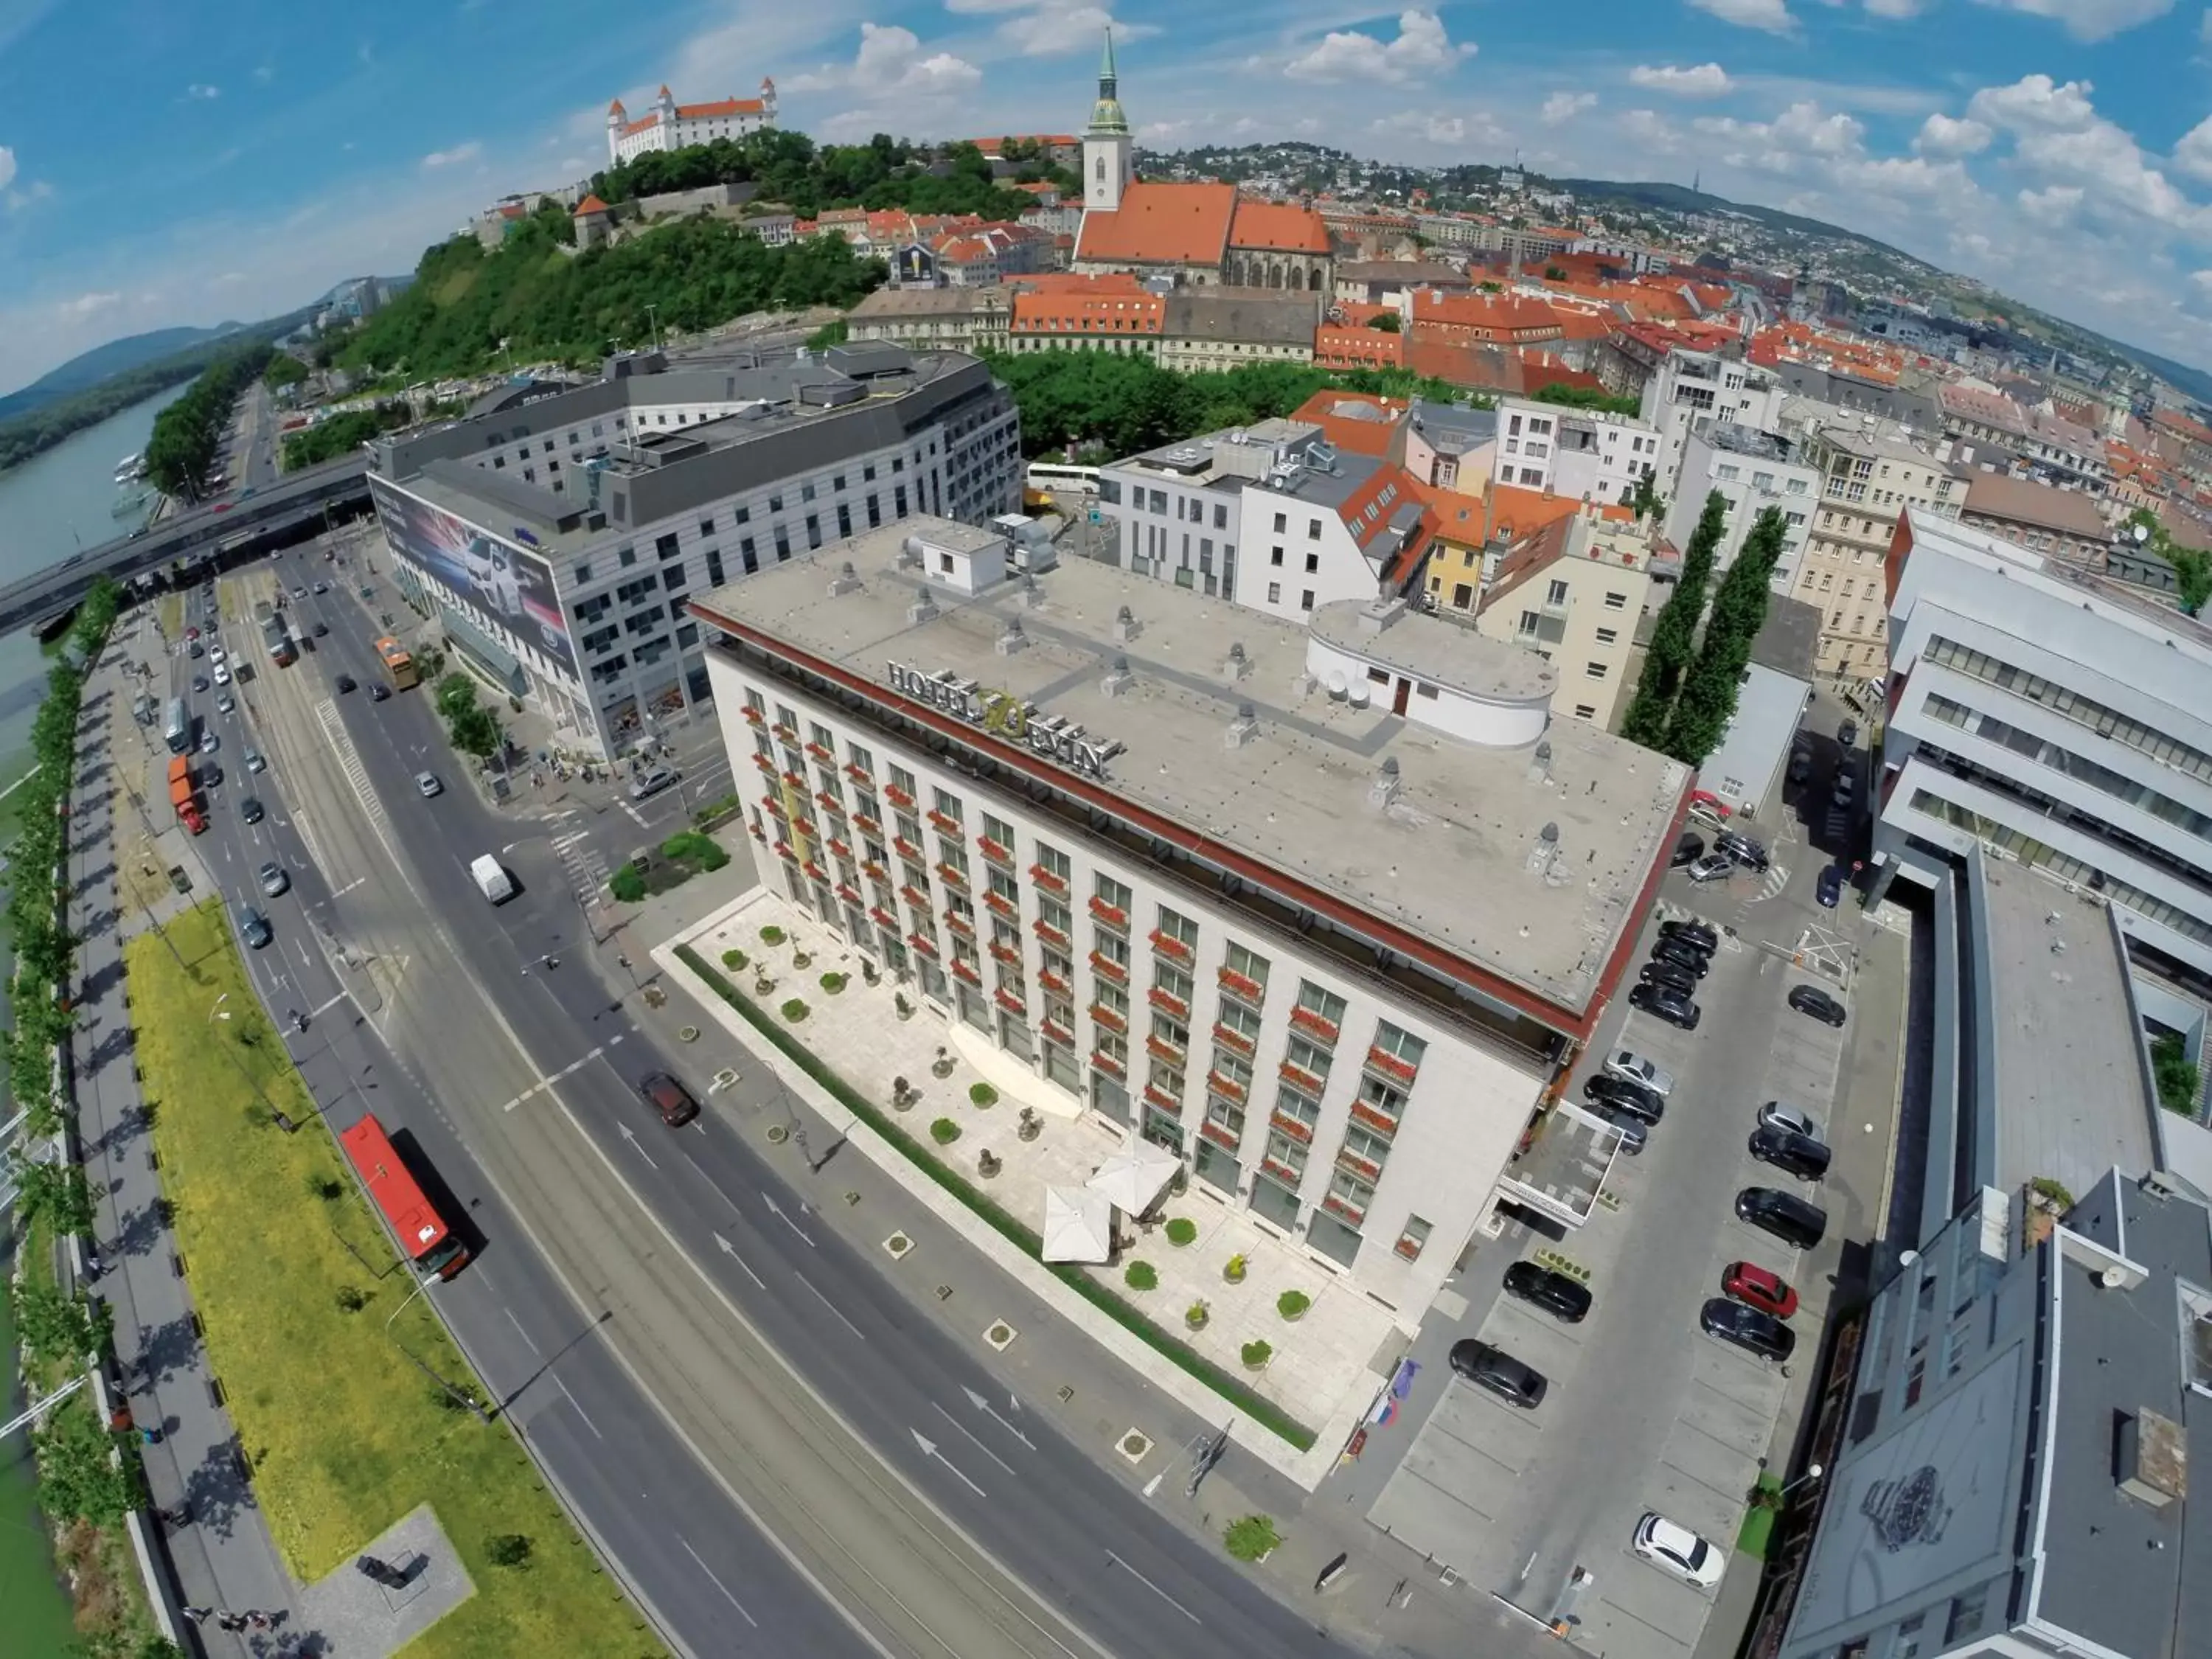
1357	348
1107	313
591	204
1484	316
1068	281
1161	224
1368	511
1473	367
1282	225
1358	423
721	106
616	109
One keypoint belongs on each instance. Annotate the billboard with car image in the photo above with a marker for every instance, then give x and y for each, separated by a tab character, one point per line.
501	582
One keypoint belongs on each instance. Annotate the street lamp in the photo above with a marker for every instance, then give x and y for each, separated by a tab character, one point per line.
1813	1472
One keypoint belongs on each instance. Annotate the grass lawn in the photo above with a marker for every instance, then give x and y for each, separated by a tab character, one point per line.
1757	1526
345	1435
172	614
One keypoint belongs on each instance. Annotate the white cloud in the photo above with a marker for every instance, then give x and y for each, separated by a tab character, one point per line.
2089	20
1437	128
458	154
1942	136
1896	7
2037	102
1772	15
891	60
37	191
1648	130
2203	278
1703	81
1802	131
1564	107
2059	138
7	166
200	89
84	305
1055	28
2193	155
1421	49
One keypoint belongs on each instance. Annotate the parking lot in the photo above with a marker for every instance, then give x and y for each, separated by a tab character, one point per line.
1643	1412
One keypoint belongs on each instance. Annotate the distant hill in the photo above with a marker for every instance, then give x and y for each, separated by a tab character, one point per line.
120	356
1679	198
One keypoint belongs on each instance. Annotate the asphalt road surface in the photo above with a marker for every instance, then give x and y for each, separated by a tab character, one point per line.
668	1285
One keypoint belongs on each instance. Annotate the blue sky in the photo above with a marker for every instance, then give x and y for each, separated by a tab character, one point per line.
185	160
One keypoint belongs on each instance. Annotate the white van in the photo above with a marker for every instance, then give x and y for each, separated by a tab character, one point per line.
491	877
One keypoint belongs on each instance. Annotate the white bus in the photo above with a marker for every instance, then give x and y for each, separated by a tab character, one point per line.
1054	478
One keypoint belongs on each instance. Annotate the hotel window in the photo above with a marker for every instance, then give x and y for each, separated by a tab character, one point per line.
1112	946
861	758
902	780
1400	1045
1173	982
1112	999
1178	928
756	703
1280	523
1006	887
1308	1057
999	830
1325	1004
1112	894
1249	965
1056	863
948	806
1350	1190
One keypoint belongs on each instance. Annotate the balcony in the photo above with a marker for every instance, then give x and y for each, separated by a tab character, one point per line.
1344	1209
1160	1048
1047	882
898	798
775	807
1108	1019
1051	935
1161	1101
1374	1117
1107	969
848	892
1366	1168
953	877
1172	948
1052	982
794	781
1246	990
1235	1041
1400	1073
1275	1170
837	845
914	896
755	718
1002	951
882	918
757	832
875	872
766	765
1220	1135
957	923
1057	1032
1301	1079
944	825
805	827
830	803
822	753
859	775
997	852
783	851
1227	1088
1169	1002
1012	1001
786	733
1297	1128
1001	905
964	969
1106	1063
868	825
1111	915
906	849
1314	1025
815	872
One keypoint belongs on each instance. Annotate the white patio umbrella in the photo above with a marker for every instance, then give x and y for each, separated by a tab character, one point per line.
1135	1177
1079	1226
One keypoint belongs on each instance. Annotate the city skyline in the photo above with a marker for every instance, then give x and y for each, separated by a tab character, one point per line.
243	161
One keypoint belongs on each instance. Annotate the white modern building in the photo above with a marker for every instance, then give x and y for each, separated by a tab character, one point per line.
1692	388
1272	516
668	124
1753	470
552	536
1184	863
2058	720
1573	451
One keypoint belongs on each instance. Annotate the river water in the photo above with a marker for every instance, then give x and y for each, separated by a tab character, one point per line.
49	508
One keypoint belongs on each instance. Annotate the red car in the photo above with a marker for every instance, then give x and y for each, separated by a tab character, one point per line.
1755	1287
191	633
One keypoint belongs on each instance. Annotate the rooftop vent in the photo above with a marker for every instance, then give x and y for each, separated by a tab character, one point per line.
2152	1459
847	580
1244	727
1382	793
1546	849
1125	626
1379	614
1540	763
1011	638
909	553
924	608
1032	595
1118	677
1237	663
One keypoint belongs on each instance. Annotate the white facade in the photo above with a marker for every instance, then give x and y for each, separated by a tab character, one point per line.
1121	978
1694	386
2059	722
1753	470
668	124
1570	451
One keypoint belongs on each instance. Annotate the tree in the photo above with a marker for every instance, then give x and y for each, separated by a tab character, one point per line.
829	334
1386	322
1585	396
1674	635
507	1549
78	1479
1646	500
476	732
1555	273
1707	701
188	436
56	1191
54	1329
2192	567
284	370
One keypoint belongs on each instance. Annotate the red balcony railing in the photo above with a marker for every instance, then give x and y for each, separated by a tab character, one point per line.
1300	1078
1219	1133
963	969
1297	1128
952	875
898	797
1112	915
1058	1032
838	845
1160	1100
1287	1173
754	717
1344	1207
1242	986
787	733
822	753
915	895
1385	1063
1109	1018
1002	906
1374	1117
944	825
1161	1048
766	765
1052	982
1366	1168
1307	1020
1172	948
867	825
955	922
848	892
1002	951
1106	1063
829	803
1012	1002
882	918
1051	935
860	774
1048	881
1227	1088
906	849
1234	1040
1169	1002
1106	968
997	852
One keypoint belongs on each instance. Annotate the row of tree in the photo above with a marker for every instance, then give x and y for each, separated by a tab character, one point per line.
340	434
1687	693
33	432
529	301
1104	402
188	440
789	167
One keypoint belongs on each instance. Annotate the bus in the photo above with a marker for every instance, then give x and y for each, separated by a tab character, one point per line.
397	663
422	1231
184	795
179	732
1052	478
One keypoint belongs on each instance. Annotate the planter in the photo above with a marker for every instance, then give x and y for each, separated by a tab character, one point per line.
944	1132
771	935
1181	1231
1195	1316
987	1164
1233	1270
794	1011
1255	1356
1292	1305
942	1066
982	1095
1141	1276
687	1034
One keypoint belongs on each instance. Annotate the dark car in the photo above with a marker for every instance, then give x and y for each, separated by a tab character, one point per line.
250	810
322	630
196	649
1741	849
1848	733
1799	1155
1661	1002
1619	1093
1830	891
1785	1215
1800	765
346	682
1702	934
378	691
1564	1298
1635	1133
1684	955
668	1097
1687	851
199	682
1761	1333
253	928
1499	1372
1666	973
1811	999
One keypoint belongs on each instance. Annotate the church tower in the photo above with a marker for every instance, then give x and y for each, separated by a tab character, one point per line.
1107	144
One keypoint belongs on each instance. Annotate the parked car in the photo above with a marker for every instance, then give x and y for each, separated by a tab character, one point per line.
1714	867
250	810
1661	1002
1628	1064
427	785
1678	1551
1811	999
1846	788
274	879
1830	891
254	763
226	704
1785	1215
1848	732
1777	1115
1668	974
1687	851
322	587
1757	1332
1635	1133
221	675
1741	849
1493	1369
1800	765
668	1097
651	783
1682	954
1565	1299
217	654
1630	1097
199	682
378	691
322	630
1702	934
210	743
195	649
1799	1155
1757	1288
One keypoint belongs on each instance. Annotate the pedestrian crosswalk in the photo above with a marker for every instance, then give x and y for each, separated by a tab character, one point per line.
586	868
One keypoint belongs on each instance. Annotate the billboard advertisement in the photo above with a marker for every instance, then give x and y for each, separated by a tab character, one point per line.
499	582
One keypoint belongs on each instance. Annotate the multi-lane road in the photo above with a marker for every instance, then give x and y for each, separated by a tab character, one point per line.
734	1401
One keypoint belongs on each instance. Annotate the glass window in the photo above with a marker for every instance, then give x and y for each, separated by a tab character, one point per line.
903	780
1178	928
1112	894
1054	862
1242	1021
1112	946
861	757
1323	1004
947	805
1400	1045
1173	981
1308	1057
1248	963
999	830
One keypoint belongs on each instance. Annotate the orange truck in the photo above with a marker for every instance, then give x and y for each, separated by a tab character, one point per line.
184	796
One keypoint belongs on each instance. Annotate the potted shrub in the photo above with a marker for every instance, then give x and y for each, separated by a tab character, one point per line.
982	1094
986	1163
944	1132
833	984
799	958
794	1011
1031	1124
1234	1272
771	935
1142	1276
905	1008
942	1066
733	960
1181	1230
1292	1305
1255	1355
1195	1315
762	985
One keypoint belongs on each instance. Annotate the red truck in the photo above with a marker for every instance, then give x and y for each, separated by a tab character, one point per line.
184	795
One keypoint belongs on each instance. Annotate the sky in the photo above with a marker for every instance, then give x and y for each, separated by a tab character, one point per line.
167	162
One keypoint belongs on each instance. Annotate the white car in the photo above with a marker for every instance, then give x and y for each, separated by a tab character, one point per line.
1678	1551
217	654
1787	1119
222	677
1626	1063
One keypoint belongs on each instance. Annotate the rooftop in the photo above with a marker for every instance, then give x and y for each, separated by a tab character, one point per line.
2022	501
1160	224
1749	440
1540	913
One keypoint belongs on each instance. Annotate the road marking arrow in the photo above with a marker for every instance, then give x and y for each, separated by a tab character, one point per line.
929	1449
984	1407
631	1135
730	1251
776	1210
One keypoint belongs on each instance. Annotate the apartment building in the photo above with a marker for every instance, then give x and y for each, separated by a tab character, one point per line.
1571	593
1867	480
1572	451
1688	389
1222	328
1753	470
555	532
2064	523
2059	720
970	319
1351	1052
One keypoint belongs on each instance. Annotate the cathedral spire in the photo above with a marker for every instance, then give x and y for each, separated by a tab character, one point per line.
1106	115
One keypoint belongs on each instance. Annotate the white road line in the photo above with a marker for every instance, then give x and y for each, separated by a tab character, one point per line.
717	1583
519	1332
979	1445
567	1071
1155	1588
580	1412
317	1012
838	1311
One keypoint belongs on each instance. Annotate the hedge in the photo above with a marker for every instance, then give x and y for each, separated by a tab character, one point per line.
1253	1405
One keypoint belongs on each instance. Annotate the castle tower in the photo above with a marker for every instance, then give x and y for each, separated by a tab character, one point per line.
616	120
1107	145
768	101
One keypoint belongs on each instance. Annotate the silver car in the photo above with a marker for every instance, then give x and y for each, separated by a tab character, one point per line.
1790	1120
1626	1063
1714	867
652	782
274	879
427	785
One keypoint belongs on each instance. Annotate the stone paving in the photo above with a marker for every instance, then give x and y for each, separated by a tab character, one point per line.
1324	1369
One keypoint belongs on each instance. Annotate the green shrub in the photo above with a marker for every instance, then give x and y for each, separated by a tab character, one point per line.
1181	1230
982	1094
733	960
507	1549
794	1011
1253	1405
627	884
944	1132
1142	1276
771	935
1292	1304
1233	1269
1255	1354
833	984
1195	1315
1251	1538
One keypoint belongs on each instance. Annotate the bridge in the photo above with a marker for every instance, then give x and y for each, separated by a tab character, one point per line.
275	515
